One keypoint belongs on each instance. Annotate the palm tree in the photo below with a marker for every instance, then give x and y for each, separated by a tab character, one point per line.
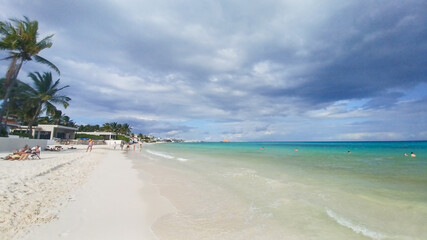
55	118
115	127
106	127
88	128
20	104
44	120
66	121
45	94
19	37
125	129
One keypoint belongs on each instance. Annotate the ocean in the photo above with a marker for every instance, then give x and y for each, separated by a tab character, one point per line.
290	190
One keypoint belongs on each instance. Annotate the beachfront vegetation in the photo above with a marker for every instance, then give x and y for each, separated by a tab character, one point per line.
115	127
145	138
45	95
123	131
19	38
84	135
27	102
123	138
57	119
20	105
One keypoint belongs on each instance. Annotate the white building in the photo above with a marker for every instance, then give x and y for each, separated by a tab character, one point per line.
105	135
45	131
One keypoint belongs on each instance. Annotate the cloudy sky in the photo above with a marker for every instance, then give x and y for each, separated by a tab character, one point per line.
240	70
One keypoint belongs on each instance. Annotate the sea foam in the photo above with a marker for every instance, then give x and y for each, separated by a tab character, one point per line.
163	155
167	156
356	228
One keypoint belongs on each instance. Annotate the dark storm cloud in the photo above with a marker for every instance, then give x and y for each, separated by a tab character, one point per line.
386	51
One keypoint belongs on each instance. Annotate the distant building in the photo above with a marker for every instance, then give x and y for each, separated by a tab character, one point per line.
11	124
45	131
105	135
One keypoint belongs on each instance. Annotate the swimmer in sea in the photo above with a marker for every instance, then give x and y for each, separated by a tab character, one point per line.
413	154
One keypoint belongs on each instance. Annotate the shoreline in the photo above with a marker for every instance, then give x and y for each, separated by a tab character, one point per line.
72	194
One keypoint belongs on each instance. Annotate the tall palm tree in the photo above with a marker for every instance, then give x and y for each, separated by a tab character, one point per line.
19	37
114	127
45	94
106	127
125	129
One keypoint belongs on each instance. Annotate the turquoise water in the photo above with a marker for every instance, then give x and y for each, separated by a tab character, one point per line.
269	190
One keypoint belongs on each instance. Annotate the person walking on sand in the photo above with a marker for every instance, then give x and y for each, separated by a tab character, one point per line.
90	144
121	145
114	145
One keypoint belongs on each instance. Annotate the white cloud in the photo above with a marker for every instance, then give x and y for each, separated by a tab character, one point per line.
360	136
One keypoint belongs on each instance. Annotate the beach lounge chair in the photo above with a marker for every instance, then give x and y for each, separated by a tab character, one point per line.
35	152
35	155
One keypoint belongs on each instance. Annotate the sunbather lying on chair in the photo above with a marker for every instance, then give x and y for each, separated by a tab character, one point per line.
17	155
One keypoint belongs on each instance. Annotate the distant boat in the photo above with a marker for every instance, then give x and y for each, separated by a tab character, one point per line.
225	141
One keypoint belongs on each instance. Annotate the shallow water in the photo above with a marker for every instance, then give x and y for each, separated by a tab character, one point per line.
239	191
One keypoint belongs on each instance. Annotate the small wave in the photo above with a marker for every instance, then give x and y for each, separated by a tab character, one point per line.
164	155
161	154
356	228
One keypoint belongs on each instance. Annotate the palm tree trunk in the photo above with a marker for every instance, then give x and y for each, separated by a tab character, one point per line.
9	82
32	121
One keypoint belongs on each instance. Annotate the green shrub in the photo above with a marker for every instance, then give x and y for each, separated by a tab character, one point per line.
3	133
83	135
123	138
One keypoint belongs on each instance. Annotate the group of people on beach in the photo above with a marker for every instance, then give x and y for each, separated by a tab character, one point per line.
24	153
128	145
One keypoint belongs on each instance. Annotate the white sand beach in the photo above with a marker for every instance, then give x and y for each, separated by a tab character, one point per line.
73	194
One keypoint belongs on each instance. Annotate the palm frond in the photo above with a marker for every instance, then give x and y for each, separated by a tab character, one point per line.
45	61
45	42
50	108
